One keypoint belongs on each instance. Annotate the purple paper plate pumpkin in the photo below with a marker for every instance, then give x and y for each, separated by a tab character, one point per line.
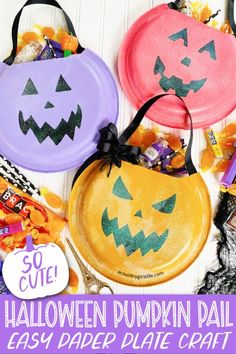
52	109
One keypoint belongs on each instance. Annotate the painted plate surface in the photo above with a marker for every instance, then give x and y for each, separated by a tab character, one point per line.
51	111
134	234
166	51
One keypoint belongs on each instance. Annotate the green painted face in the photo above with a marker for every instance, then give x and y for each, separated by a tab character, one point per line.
64	127
123	236
174	82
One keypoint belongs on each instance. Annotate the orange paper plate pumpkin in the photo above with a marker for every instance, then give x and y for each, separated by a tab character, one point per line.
137	226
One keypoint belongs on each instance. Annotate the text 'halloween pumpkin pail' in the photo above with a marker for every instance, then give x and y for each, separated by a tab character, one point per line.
167	51
52	109
137	226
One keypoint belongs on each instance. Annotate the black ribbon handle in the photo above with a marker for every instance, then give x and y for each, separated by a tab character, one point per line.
113	150
141	114
15	26
231	16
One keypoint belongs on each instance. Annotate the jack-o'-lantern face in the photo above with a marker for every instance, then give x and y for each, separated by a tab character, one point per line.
167	51
176	83
52	110
64	127
122	234
138	226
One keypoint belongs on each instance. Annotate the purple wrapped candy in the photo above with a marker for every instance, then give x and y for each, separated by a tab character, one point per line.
153	154
160	154
167	157
51	50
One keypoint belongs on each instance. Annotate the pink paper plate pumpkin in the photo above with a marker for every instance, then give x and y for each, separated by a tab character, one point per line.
167	51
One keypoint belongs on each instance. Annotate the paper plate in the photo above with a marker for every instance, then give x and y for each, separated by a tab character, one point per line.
119	232
51	111
166	51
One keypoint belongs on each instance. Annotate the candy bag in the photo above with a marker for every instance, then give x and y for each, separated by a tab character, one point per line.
38	221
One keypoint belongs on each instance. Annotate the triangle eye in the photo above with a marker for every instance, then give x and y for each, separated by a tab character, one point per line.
30	89
62	85
166	206
183	34
120	190
210	48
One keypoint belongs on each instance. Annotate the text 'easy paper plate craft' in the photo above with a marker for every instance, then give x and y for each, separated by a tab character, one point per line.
167	51
51	110
137	226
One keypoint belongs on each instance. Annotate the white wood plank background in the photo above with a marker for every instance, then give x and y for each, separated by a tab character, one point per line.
101	26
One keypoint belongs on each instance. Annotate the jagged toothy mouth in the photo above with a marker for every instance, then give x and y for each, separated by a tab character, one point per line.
175	83
122	236
56	134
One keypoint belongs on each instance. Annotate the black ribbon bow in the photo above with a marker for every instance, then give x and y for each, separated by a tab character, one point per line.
112	151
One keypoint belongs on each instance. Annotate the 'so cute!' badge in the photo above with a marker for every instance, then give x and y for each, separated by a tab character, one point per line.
39	271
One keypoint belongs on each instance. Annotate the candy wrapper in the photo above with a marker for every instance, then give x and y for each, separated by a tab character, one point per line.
51	50
38	221
30	52
166	155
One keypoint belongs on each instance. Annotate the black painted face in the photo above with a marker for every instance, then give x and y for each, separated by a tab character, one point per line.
64	127
122	234
176	83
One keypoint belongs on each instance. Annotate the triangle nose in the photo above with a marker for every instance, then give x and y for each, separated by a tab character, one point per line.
49	105
139	214
186	61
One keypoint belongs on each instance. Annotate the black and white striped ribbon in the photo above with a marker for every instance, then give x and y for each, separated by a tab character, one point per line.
12	174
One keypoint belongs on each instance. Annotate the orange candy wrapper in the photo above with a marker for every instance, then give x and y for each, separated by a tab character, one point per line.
48	32
38	221
69	42
29	37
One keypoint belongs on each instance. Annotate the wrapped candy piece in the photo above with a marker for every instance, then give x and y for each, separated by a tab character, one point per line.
185	7
51	50
207	159
166	158
48	32
137	138
174	142
222	166
69	42
228	143
152	155
53	200
213	142
229	130
149	138
30	52
11	229
73	279
29	37
178	161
